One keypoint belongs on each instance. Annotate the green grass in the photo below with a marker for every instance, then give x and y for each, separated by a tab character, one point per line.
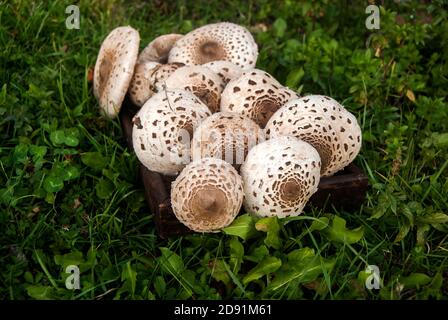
69	192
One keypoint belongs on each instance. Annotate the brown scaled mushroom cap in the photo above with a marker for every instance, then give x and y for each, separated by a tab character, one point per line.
345	123
225	69
218	41
114	69
201	81
279	177
140	88
255	94
323	123
227	136
163	128
207	195
159	48
149	78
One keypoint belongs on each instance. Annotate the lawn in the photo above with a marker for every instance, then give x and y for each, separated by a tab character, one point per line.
70	195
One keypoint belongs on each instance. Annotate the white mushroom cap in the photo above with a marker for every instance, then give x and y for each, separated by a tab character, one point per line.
218	41
227	136
114	68
162	73
140	88
163	128
201	81
344	122
279	177
207	195
255	94
225	69
159	48
323	123
148	79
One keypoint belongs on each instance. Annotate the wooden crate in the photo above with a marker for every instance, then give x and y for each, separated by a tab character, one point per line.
345	190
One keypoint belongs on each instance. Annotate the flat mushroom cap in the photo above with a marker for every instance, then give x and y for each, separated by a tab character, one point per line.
344	122
148	79
207	195
204	83
255	94
159	48
227	136
218	41
279	177
163	128
114	68
225	69
323	123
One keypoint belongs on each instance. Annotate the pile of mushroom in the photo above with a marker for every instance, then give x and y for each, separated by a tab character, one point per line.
230	134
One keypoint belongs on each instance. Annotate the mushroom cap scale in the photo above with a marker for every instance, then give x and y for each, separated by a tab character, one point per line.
148	79
218	41
140	89
345	122
159	48
325	124
163	128
201	81
310	127
114	68
207	195
255	94
225	69
160	74
279	177
227	136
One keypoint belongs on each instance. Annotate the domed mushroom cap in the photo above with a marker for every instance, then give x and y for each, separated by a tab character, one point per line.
313	128
140	88
201	81
148	79
207	195
163	72
344	122
332	130
279	177
227	136
163	128
225	69
159	48
255	94
114	68
218	41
